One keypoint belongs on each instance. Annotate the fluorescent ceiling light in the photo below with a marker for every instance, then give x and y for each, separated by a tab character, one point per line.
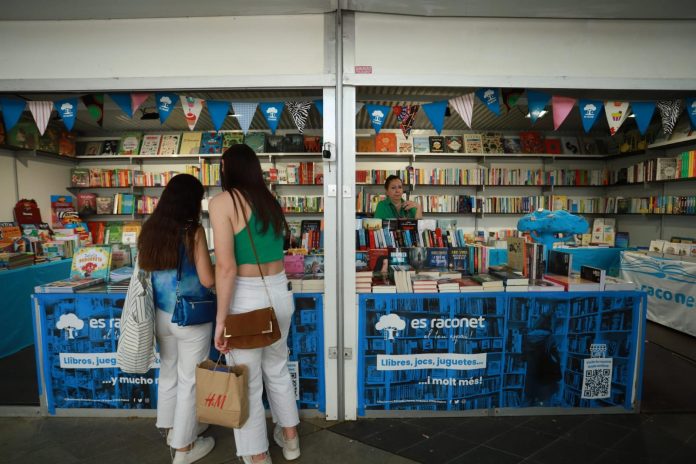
541	114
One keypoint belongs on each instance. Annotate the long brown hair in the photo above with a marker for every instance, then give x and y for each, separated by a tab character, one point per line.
241	172
178	212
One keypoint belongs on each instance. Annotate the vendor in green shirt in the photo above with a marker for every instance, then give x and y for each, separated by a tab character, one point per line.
394	207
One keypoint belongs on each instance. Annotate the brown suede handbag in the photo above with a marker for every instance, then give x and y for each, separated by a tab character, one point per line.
253	329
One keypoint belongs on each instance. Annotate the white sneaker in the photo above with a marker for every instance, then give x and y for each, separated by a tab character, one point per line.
291	448
199	431
248	460
201	448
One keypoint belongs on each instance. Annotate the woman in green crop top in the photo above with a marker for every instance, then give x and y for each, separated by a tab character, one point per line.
246	216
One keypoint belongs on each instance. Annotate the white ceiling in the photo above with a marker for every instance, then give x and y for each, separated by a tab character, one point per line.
125	9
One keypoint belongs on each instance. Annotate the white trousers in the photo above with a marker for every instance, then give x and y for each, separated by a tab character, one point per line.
268	367
181	349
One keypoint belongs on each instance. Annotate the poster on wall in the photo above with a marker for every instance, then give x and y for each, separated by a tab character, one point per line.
452	352
79	338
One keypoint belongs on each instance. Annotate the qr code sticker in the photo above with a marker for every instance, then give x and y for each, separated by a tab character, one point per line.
596	382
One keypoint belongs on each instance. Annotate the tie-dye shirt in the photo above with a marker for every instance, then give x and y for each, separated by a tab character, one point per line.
164	285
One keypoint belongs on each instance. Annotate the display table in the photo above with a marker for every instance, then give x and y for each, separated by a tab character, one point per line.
77	337
497	352
604	258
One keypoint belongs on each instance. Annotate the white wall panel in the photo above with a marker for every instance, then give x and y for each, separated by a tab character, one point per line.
7	181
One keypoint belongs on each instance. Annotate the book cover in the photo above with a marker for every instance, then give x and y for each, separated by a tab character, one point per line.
211	143
459	259
573	283
86	203
488	281
378	259
385	142
104	205
91	262
50	140
310	225
61	208
508	276
230	138
275	144
511	145
437	144
403	145
67	144
437	258
589	146
256	140
421	144
365	144
532	142
666	168
593	274
113	232
468	284
541	285
79	177
150	145
314	264
621	239
570	146
559	262
454	143
67	285
130	233
398	256
492	143
130	144
294	264
23	135
169	144
417	257
293	143
517	253
92	149
473	143
127	203
110	147
190	143
312	144
617	284
552	146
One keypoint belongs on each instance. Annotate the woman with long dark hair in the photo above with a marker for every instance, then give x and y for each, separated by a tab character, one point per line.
174	232
245	202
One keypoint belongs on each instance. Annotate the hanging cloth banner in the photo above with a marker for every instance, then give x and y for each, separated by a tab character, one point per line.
643	112
320	107
12	109
218	112
165	104
358	107
124	101
137	99
616	113
192	107
95	106
436	113
67	109
300	113
378	114
406	115
589	112
41	110
464	105
491	97
272	112
510	97
536	103
691	110
561	107
670	111
244	111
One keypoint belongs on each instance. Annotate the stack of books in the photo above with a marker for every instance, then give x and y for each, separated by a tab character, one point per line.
448	286
514	281
382	284
16	260
423	283
363	281
68	285
402	275
313	283
489	283
468	284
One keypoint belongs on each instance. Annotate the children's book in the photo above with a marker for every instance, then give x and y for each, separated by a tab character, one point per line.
492	143
130	144
473	143
190	143
454	143
256	140
169	144
151	144
92	149
532	142
67	285
230	138
79	177
211	143
365	144
105	205
512	145
86	203
385	142
421	144
110	147
91	262
437	144
312	144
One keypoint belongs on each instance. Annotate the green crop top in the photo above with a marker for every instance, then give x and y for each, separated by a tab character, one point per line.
269	246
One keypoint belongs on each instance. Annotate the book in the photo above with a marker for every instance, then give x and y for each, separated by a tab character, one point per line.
169	145
230	138
403	145
91	262
113	232
437	258
421	144
552	146
256	141
492	143
508	276
61	209
454	143
621	239
385	142
121	255
130	144
573	283
23	135
532	142
559	262
666	168
294	264
459	259
211	143
436	144
312	144
150	145
130	233
86	203
570	146
511	145
190	143
488	281
473	143
68	285
275	144
594	274
517	253
110	147
293	143
104	205
92	149
468	284
79	177
617	284
365	144
314	264
541	285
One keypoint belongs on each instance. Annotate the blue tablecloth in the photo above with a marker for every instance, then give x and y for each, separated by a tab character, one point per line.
604	258
17	285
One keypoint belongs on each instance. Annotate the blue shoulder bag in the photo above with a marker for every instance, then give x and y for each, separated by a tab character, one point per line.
189	309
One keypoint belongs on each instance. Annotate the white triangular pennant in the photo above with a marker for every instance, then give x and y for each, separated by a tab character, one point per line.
358	107
244	112
192	109
464	105
616	113
41	110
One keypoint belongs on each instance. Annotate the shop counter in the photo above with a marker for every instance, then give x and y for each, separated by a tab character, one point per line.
500	353
77	336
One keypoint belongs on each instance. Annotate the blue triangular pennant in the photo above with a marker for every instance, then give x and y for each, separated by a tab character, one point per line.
12	109
691	110
244	112
165	102
123	100
272	113
491	97
320	107
378	114
436	113
589	112
67	109
536	103
643	112
218	112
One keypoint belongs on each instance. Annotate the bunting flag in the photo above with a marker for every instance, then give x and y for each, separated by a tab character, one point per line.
218	112
300	113
320	107
12	109
41	110
406	115
536	103
95	106
589	112
616	113
165	102
137	99
67	109
510	97
669	110
272	113
561	107
124	101
244	111
358	107
192	107
378	114
491	98
643	111
691	111
436	113
464	105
